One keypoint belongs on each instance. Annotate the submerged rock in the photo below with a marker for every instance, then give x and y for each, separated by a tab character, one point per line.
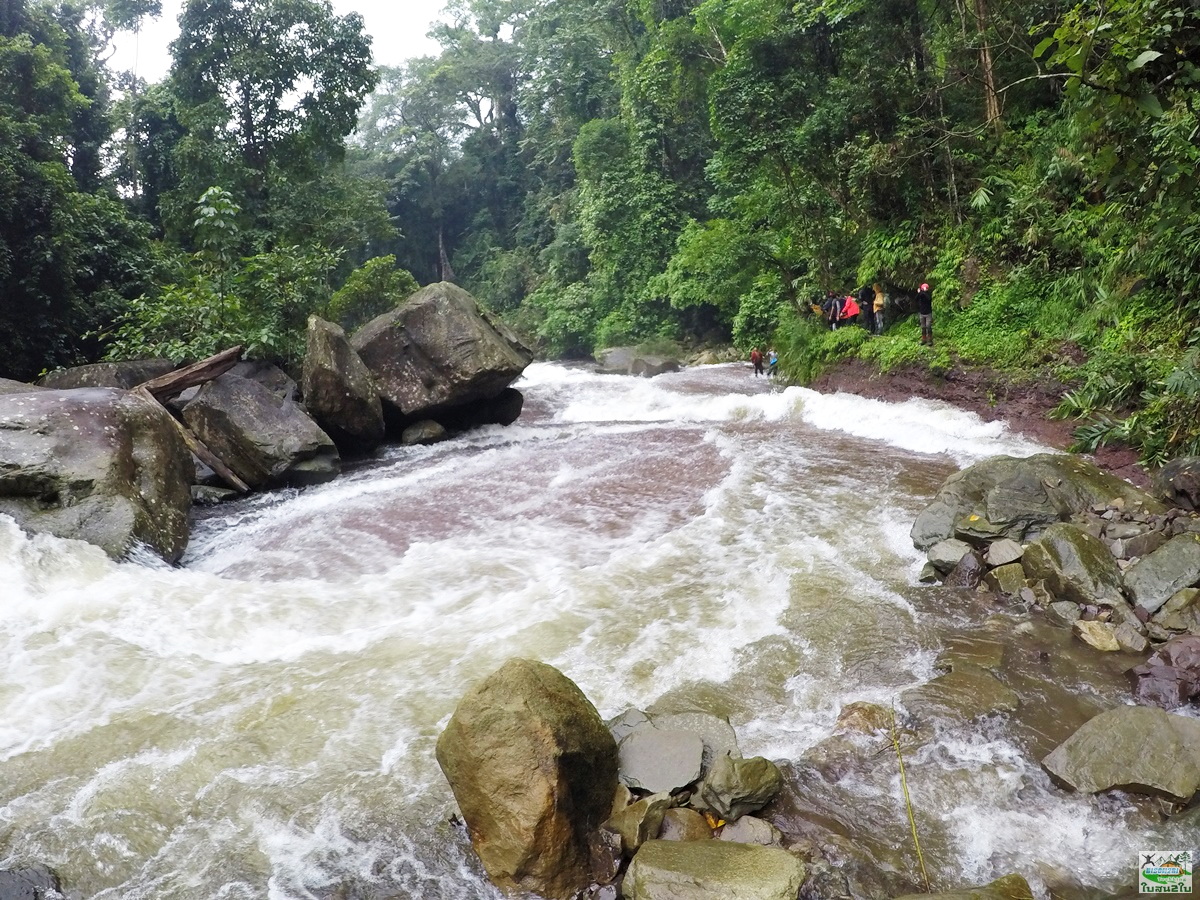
704	870
34	883
968	692
534	770
1134	748
1074	565
627	361
96	464
1010	887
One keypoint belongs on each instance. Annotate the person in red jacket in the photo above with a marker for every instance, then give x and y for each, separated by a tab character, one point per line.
850	311
756	357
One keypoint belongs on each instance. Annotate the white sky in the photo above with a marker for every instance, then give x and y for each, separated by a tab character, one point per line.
397	28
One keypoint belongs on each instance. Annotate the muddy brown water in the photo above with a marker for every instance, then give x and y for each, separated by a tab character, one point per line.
260	722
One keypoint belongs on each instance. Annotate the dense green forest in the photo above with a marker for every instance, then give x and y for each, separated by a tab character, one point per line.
602	172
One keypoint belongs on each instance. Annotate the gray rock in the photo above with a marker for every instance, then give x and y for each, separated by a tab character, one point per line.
704	870
945	555
968	693
627	361
96	464
339	392
1176	565
734	787
33	883
1178	482
1130	639
717	734
426	432
1181	612
1144	544
533	770
1003	552
680	824
437	351
1017	498
1008	579
1121	531
8	386
655	760
751	830
211	495
270	376
125	374
1135	748
1074	565
626	722
640	821
1063	612
265	441
929	574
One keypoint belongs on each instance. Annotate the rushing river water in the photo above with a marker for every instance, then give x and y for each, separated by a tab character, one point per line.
260	723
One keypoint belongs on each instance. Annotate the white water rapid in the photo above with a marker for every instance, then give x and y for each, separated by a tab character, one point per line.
260	722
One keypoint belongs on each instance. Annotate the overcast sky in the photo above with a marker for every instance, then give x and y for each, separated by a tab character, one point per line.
397	29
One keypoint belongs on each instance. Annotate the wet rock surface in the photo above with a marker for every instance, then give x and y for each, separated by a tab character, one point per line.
702	870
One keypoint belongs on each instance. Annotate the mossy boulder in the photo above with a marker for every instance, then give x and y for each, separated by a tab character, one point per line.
734	787
1010	887
1074	565
534	771
1006	497
703	870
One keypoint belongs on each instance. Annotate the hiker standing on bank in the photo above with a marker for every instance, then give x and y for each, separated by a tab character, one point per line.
925	313
757	359
877	306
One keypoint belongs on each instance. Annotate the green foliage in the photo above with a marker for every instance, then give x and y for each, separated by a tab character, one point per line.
371	290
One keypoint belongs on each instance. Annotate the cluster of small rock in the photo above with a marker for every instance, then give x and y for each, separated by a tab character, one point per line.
83	455
1113	563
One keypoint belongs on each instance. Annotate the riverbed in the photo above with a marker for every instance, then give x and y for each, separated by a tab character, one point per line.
260	722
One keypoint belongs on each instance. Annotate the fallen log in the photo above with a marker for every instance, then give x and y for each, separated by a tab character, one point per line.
196	445
166	386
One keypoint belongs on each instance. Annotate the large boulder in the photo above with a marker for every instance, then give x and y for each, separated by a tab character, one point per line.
703	870
1152	580
98	464
1178	482
125	374
8	386
339	392
1134	748
1074	565
437	351
267	442
1004	497
627	361
534	771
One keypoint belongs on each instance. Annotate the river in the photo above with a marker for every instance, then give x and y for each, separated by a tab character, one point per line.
260	722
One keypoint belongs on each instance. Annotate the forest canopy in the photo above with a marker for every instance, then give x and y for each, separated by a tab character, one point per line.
619	171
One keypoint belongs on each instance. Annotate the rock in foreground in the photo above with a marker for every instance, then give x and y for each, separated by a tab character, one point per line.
96	464
1135	748
704	870
437	351
534	771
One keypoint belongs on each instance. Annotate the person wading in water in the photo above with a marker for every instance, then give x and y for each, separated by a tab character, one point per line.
757	358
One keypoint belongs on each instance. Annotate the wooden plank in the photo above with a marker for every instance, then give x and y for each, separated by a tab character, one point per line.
197	447
165	386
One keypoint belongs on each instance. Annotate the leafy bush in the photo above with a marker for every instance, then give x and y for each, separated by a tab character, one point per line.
371	290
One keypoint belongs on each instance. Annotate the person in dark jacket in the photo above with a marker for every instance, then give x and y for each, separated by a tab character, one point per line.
925	313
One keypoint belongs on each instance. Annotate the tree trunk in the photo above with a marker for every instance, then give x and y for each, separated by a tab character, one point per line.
991	98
